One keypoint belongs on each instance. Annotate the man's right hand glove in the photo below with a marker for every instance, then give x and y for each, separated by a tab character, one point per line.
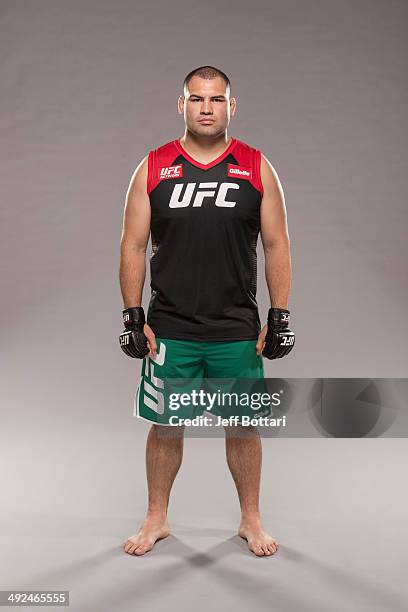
279	340
132	341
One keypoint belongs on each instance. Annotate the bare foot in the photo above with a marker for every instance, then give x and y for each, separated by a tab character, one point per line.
259	541
152	529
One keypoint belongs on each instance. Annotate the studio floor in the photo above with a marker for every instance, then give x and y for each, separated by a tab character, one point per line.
336	507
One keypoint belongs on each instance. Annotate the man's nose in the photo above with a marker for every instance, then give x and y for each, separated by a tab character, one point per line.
206	108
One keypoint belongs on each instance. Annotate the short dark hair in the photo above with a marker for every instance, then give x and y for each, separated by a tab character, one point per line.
206	72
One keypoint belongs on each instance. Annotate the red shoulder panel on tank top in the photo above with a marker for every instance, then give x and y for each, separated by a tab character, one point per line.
249	157
163	157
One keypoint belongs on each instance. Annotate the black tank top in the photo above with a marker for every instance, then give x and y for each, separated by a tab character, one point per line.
205	221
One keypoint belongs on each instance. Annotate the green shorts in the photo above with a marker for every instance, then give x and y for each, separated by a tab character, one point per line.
183	366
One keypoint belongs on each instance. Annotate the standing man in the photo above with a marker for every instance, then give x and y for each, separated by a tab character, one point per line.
204	198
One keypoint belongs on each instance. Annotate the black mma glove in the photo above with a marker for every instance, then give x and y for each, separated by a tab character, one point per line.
132	341
279	340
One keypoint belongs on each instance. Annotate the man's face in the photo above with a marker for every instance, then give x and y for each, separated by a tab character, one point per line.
206	106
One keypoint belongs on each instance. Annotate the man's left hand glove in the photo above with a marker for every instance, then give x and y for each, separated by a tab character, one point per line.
279	340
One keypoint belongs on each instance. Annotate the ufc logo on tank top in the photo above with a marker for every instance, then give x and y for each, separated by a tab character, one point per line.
205	222
183	195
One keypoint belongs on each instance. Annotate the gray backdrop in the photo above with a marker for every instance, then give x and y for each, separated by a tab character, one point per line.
87	88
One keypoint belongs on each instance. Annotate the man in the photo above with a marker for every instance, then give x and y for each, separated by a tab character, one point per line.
204	198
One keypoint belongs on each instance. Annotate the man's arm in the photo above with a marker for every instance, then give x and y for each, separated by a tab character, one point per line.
135	236
275	237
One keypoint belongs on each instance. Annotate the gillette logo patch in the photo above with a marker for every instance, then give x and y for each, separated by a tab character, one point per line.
171	172
239	171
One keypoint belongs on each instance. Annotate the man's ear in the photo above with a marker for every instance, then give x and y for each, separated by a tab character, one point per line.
233	106
180	105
